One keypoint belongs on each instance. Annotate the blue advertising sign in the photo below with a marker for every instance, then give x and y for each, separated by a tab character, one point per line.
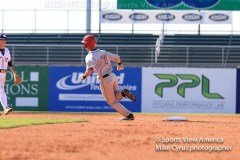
238	92
68	93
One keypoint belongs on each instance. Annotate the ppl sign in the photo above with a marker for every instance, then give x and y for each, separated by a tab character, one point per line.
195	82
200	4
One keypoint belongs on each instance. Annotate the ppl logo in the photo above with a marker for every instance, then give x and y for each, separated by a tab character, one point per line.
200	4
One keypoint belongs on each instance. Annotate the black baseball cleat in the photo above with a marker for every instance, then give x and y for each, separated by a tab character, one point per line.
129	95
130	117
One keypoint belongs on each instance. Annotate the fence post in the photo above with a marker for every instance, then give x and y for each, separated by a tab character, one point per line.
67	21
82	55
223	57
89	15
2	21
47	55
100	9
187	57
35	21
152	57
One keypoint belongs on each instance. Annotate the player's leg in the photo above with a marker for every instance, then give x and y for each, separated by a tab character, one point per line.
118	93
122	93
3	96
109	95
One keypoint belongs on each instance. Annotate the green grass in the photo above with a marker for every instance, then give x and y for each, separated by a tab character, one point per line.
13	122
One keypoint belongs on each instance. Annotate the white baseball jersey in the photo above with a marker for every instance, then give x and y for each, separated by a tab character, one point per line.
100	61
4	59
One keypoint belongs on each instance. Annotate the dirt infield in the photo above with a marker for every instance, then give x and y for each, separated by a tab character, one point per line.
104	137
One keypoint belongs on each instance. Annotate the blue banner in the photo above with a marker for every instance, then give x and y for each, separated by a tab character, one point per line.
238	92
68	93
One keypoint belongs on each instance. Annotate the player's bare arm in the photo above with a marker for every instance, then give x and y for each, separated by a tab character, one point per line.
11	67
17	78
115	58
87	73
119	64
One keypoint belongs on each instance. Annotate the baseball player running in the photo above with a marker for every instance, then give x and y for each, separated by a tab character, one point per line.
99	61
5	61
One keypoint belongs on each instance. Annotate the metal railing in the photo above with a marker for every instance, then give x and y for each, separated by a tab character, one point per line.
132	55
40	54
199	56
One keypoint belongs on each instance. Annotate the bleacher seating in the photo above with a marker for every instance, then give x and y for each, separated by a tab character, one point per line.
71	55
64	39
135	49
200	50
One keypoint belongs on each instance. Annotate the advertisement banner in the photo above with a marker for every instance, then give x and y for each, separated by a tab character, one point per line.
189	90
32	94
169	17
68	93
238	91
180	4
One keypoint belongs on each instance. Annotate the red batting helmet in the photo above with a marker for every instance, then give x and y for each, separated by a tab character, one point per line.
89	42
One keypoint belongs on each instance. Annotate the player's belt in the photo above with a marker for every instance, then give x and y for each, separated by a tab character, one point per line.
106	75
3	70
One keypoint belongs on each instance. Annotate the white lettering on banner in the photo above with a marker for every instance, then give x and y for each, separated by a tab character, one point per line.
189	105
77	83
83	107
10	77
171	17
120	87
25	88
29	87
83	97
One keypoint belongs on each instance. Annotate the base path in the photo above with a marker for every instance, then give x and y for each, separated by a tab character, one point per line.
104	137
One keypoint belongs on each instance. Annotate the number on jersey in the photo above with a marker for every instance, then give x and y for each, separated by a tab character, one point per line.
104	57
